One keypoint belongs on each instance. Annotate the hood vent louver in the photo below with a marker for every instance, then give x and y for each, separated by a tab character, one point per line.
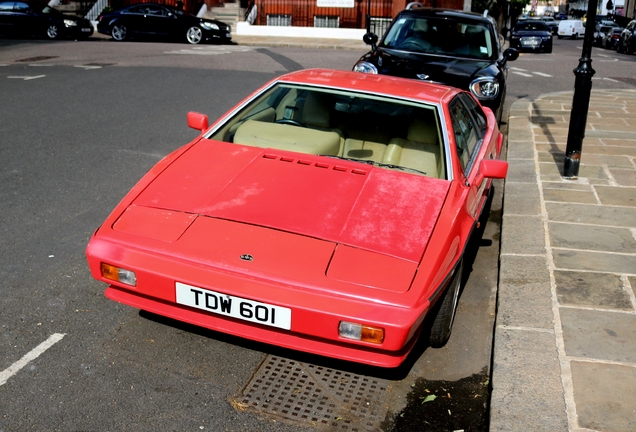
310	163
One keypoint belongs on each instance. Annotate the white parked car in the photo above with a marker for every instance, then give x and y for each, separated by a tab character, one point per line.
571	28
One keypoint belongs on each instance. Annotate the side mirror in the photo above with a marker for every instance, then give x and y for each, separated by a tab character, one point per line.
511	54
370	39
197	121
492	168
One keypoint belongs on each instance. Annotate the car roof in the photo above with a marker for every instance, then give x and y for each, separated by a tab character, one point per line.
374	84
446	13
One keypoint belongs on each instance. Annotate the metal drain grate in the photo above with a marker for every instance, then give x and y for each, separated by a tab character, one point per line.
315	395
34	59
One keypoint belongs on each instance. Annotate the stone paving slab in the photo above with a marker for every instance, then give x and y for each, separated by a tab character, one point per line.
603	335
605	396
592	290
527	393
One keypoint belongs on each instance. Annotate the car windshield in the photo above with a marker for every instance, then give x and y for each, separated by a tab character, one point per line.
385	132
531	26
441	36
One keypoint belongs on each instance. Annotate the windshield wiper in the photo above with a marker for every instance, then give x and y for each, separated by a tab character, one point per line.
399	167
379	164
364	161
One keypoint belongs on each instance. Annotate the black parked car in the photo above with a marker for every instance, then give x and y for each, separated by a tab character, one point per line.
461	49
148	19
553	24
612	38
531	35
627	41
600	32
18	18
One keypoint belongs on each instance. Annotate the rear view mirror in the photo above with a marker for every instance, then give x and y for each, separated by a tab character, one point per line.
197	121
511	54
493	168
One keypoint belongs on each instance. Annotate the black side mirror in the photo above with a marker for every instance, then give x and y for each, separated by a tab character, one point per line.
511	54
370	39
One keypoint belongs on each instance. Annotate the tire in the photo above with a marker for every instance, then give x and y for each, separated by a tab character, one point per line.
619	47
119	32
194	35
52	31
575	36
560	37
549	50
443	323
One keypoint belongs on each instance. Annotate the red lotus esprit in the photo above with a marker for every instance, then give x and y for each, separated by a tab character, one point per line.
328	213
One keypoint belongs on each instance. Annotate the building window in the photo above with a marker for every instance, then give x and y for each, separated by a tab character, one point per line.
379	25
279	20
326	21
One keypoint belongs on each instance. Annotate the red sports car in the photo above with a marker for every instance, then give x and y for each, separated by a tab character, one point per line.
328	213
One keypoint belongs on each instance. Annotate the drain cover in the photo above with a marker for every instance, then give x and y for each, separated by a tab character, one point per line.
35	59
315	395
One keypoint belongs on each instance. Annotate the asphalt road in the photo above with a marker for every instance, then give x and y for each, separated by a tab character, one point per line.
80	123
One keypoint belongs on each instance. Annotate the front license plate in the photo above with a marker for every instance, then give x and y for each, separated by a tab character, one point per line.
86	30
235	307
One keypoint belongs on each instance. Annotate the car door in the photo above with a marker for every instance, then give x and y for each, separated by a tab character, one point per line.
157	20
133	18
20	19
6	11
474	142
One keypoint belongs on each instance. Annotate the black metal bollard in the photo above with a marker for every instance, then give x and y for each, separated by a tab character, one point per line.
581	99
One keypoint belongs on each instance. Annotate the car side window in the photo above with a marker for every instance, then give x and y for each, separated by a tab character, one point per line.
156	11
136	10
6	6
21	7
469	129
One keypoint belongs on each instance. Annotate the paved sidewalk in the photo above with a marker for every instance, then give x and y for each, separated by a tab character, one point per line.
301	42
565	340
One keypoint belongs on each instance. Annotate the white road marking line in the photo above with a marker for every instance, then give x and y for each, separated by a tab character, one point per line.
194	52
29	357
86	67
518	69
522	74
542	74
210	50
26	78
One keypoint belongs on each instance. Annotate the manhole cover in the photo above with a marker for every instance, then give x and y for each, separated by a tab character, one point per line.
35	59
315	395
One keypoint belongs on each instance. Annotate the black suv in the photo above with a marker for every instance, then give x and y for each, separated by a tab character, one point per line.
460	49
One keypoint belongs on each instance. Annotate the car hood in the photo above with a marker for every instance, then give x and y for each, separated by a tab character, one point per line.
454	71
385	211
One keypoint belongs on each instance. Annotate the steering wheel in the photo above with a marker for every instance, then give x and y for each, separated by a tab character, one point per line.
289	122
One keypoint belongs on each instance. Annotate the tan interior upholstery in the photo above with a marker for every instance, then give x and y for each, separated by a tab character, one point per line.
287	137
421	150
365	150
316	111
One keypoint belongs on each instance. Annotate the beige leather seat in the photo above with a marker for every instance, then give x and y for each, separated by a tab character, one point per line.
364	150
317	115
421	150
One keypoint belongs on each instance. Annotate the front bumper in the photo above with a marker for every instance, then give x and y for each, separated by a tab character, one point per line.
316	311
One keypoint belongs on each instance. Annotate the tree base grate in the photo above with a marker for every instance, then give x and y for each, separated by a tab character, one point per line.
314	395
